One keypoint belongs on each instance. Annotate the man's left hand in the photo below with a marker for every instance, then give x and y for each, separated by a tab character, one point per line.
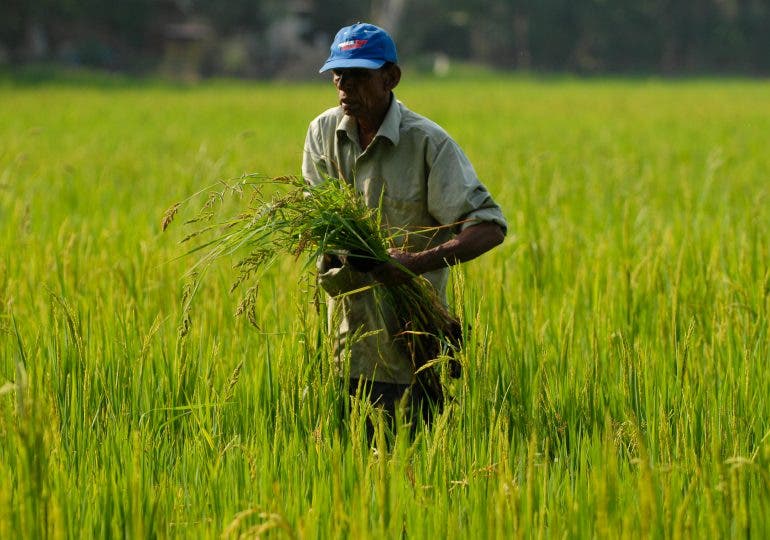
468	244
402	267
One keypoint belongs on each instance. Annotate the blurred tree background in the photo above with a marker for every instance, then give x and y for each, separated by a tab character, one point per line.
289	38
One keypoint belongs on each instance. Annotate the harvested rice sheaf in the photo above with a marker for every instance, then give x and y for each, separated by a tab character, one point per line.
331	218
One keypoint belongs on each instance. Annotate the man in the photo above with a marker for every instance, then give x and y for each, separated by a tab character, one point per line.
409	167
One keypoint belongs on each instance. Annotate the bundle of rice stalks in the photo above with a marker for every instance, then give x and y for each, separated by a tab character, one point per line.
286	216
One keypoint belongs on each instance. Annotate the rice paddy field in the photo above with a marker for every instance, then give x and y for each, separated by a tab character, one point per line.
615	382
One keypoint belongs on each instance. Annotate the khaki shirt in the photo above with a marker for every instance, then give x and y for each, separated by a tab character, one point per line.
422	179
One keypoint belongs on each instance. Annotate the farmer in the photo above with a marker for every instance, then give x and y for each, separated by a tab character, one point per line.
425	186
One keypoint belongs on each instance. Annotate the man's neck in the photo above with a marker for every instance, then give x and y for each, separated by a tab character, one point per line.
369	125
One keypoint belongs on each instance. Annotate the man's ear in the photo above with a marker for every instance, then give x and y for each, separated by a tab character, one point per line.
392	76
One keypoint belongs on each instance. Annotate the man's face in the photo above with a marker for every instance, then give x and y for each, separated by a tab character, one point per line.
362	92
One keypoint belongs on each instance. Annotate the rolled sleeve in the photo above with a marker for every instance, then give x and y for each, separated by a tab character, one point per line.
487	210
455	194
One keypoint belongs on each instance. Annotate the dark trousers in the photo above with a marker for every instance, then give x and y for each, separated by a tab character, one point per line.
419	406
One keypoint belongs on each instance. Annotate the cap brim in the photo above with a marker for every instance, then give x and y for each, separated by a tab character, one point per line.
351	63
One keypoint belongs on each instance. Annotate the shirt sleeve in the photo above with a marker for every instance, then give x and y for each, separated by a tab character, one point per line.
314	168
455	194
341	279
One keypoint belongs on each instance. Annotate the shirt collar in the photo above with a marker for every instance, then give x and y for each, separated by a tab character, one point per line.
389	128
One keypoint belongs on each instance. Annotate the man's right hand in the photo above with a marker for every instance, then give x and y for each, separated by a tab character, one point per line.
330	260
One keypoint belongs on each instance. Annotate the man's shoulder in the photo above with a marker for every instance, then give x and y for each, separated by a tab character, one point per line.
415	123
330	117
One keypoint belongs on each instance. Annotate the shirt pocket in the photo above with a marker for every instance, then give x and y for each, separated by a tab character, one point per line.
408	220
404	213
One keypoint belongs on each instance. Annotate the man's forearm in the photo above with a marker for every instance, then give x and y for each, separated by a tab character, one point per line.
469	244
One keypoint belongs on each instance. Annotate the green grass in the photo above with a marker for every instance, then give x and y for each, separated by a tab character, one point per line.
617	380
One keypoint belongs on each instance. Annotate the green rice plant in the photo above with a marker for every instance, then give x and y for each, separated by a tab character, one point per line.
331	218
615	384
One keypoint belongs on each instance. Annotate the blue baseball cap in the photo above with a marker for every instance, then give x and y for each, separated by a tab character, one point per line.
361	45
